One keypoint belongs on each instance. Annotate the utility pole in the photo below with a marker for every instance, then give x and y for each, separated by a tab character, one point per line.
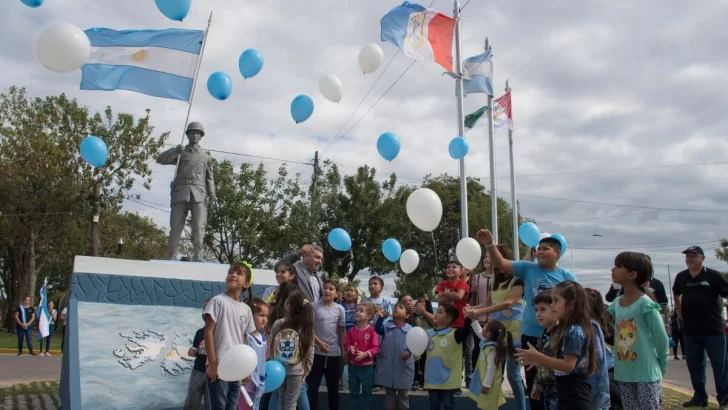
313	194
96	206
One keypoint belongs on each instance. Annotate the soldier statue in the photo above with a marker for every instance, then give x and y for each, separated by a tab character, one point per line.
193	180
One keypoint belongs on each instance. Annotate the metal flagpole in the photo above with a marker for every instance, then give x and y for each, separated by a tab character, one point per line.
461	122
192	94
491	143
514	203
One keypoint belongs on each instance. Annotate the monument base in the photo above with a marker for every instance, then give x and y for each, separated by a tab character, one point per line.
129	326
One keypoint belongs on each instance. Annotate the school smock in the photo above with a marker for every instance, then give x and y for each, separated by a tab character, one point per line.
495	397
390	370
259	345
640	341
512	317
444	367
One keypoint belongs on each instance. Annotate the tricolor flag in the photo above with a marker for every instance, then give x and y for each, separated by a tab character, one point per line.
502	114
160	63
44	318
421	33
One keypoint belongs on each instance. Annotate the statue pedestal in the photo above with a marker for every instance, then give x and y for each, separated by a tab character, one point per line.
128	329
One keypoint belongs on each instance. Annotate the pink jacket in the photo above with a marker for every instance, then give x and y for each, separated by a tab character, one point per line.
362	340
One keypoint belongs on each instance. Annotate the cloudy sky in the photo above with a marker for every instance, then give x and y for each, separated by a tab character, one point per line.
619	107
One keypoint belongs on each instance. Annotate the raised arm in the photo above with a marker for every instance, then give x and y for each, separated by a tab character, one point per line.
502	264
512	298
169	157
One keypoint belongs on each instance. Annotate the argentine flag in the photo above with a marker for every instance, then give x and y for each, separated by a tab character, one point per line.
160	63
44	317
478	74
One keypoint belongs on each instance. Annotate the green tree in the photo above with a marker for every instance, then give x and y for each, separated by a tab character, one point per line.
437	247
369	210
249	221
721	252
46	185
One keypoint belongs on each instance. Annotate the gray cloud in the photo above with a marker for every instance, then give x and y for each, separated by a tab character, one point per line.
597	86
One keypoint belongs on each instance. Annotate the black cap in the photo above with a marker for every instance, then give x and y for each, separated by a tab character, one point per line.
694	249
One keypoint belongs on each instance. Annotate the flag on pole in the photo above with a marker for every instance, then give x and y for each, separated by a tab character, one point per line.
421	33
478	74
43	315
160	63
502	114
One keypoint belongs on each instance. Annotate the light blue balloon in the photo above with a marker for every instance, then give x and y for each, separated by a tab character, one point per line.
339	239
458	148
173	9
388	146
275	373
94	151
220	85
250	63
32	3
529	234
391	250
301	108
562	240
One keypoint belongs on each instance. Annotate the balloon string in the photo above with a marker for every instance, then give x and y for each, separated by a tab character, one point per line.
434	246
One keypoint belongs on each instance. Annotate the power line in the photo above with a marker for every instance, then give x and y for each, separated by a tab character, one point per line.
650	246
147	205
717	211
335	140
252	156
594	171
598	217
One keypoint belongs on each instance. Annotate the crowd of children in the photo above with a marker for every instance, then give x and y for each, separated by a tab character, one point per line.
586	356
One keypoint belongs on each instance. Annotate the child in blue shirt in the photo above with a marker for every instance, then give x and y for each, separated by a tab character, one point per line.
576	357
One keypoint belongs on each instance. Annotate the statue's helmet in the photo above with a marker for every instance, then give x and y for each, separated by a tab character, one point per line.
196	126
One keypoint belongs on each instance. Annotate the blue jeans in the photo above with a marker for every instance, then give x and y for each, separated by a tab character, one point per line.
444	398
715	346
28	335
513	373
361	377
302	399
223	395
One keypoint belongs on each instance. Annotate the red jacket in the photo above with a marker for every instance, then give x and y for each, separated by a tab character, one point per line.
362	340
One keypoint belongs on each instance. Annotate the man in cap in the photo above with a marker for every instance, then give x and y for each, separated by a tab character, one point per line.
192	182
698	292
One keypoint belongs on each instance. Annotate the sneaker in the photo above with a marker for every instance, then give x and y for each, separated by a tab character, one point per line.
48	354
41	354
677	358
695	403
20	354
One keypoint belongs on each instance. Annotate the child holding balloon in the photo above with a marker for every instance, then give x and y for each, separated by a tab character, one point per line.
395	366
255	386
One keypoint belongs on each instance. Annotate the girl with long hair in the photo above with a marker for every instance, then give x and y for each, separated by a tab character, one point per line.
576	356
496	344
293	338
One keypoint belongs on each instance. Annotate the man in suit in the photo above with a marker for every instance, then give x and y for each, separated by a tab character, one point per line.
192	182
307	262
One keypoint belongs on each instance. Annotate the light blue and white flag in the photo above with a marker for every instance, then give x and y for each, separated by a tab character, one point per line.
44	318
160	63
477	74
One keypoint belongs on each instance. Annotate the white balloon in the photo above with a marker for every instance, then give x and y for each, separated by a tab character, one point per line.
330	88
417	340
237	363
468	252
63	47
409	260
370	58
545	235
424	209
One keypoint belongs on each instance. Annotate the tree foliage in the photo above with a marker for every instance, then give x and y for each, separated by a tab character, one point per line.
46	185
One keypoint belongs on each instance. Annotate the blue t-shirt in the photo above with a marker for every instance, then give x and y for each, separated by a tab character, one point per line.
574	343
349	315
535	280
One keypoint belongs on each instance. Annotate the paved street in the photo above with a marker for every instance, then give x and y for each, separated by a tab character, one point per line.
26	369
677	374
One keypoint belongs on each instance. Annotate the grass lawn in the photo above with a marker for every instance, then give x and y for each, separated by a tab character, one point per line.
9	341
671	400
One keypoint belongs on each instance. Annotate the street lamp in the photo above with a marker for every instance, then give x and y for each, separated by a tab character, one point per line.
571	254
120	245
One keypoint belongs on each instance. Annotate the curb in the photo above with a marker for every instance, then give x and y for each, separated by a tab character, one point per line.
15	351
686	392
